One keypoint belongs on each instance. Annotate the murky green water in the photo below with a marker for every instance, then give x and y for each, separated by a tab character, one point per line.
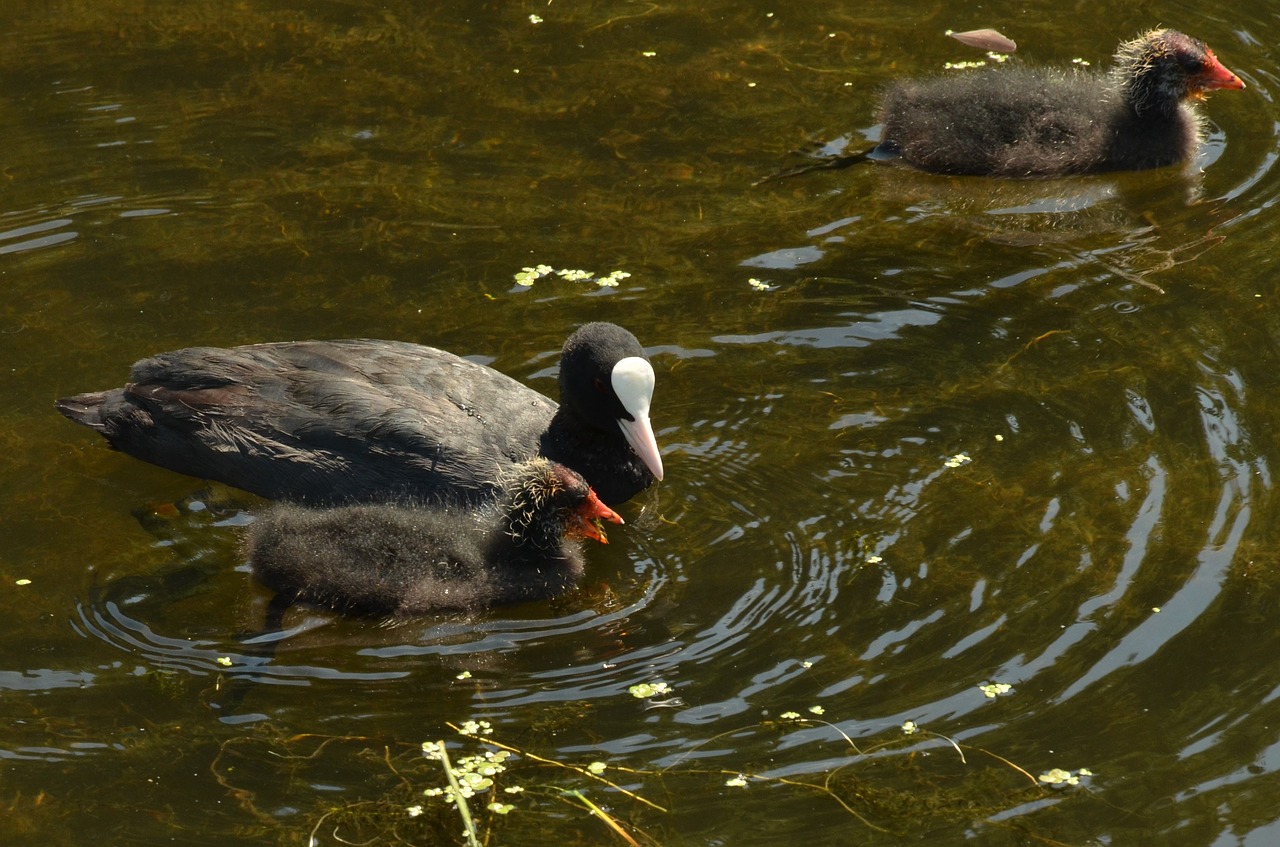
1102	352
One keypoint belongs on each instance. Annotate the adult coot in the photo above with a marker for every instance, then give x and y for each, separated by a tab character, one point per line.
326	422
1027	122
383	559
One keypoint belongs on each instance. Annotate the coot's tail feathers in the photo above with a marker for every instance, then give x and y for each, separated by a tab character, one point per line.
84	409
829	163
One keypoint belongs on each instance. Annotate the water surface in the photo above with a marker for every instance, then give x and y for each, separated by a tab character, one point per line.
922	434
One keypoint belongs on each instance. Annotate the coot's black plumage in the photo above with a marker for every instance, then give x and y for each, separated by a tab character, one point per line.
327	422
383	559
1028	122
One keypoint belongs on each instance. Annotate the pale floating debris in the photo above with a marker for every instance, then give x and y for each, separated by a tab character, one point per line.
413	811
738	781
999	437
464	675
1155	609
964	66
759	284
225	661
909	728
649	54
790	716
645	690
500	808
1085	772
596	768
806	665
611	279
1084	63
998	58
23	581
1058	776
995	689
476	728
528	276
817	710
535	19
432	792
431	750
514	789
473	783
985	39
873	560
751	85
957	460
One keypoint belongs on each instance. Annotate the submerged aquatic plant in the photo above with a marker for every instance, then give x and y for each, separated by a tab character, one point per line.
888	784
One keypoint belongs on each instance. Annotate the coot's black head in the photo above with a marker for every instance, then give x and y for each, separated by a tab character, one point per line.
606	381
547	502
1159	69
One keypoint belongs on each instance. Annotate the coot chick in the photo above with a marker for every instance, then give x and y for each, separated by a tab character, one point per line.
329	422
401	561
1028	122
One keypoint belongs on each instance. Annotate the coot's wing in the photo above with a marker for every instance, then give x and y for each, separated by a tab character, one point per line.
330	421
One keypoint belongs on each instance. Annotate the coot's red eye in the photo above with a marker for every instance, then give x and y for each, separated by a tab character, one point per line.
600	386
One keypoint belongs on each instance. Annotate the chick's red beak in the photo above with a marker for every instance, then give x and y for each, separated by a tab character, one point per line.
1215	75
586	519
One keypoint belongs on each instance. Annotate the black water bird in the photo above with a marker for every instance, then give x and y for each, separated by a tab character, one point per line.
1020	122
397	560
329	422
1035	122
